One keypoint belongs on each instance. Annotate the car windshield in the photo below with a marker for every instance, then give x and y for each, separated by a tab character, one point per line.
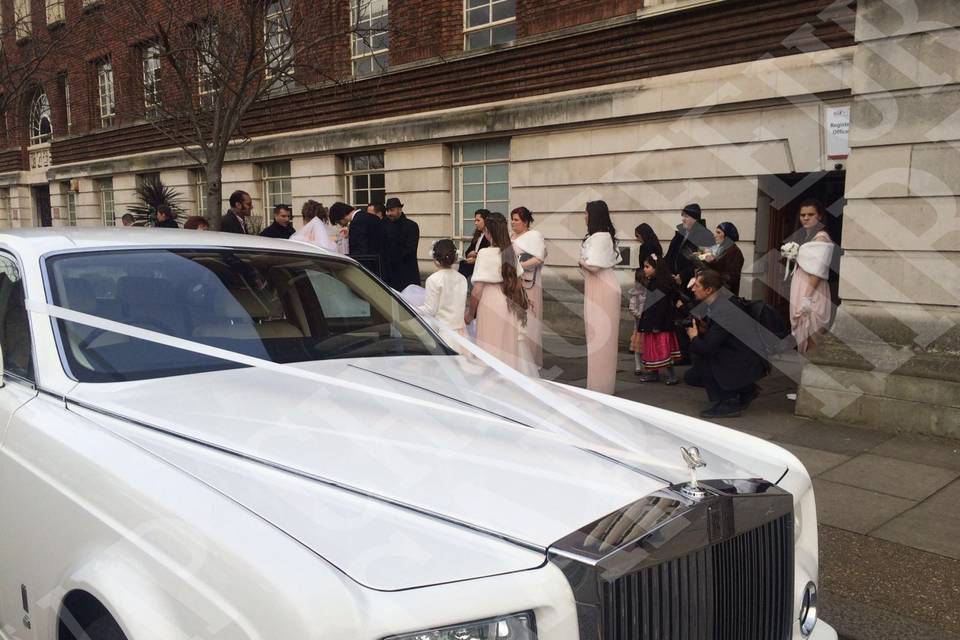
278	306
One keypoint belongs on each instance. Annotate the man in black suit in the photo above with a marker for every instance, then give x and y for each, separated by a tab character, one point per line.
725	362
365	234
234	220
401	235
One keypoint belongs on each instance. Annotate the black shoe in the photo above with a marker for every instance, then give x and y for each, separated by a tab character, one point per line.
725	409
750	396
649	376
672	380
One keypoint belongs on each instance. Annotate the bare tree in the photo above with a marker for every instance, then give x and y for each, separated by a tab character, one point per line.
212	60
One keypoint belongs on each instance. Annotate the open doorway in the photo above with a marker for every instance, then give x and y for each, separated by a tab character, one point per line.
778	209
41	201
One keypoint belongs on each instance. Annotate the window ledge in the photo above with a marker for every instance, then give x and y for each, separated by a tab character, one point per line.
673	7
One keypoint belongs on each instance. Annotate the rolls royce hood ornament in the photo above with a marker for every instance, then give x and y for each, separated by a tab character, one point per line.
691	456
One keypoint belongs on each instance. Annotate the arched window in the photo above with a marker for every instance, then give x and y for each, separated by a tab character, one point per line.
41	124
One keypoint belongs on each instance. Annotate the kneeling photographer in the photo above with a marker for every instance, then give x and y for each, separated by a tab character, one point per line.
723	363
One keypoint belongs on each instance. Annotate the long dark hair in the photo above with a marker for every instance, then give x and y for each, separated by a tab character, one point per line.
645	233
662	276
512	287
598	219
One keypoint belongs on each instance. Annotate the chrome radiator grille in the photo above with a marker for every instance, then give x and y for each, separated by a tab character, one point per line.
736	589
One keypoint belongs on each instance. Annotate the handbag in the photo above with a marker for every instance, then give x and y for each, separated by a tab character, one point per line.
528	278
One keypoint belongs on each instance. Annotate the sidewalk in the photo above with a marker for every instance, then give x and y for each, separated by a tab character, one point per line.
888	505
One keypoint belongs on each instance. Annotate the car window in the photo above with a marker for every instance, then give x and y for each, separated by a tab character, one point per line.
279	306
14	326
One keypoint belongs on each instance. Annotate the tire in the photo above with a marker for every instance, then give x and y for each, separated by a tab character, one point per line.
104	628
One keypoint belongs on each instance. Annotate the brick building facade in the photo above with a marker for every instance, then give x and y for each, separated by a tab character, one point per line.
648	104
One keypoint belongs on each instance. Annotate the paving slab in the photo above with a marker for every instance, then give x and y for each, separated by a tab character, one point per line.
939	452
849	441
855	509
815	460
926	527
894	477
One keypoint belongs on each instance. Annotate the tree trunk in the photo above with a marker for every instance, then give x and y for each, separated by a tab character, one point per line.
214	194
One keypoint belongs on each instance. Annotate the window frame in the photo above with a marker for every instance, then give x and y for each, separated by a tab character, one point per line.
349	173
55	12
205	81
487	26
22	19
106	92
380	58
198	181
265	189
69	203
151	77
36	135
283	17
102	201
458	165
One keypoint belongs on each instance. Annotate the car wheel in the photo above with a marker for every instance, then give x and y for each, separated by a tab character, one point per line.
104	628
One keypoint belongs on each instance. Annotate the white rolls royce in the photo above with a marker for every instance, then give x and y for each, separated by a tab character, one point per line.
212	436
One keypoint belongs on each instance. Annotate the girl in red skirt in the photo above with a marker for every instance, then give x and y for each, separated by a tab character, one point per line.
658	322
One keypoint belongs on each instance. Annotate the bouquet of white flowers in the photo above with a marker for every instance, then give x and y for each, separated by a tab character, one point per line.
790	251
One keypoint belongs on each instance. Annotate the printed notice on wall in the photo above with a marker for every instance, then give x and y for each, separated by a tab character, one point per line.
838	132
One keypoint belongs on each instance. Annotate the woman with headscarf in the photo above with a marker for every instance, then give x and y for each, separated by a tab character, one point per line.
531	249
810	300
601	297
317	230
725	256
498	300
649	242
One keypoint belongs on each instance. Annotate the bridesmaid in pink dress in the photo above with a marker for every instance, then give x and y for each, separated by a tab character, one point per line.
498	300
601	303
810	301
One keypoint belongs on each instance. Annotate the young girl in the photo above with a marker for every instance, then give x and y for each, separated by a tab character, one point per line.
660	346
636	297
446	289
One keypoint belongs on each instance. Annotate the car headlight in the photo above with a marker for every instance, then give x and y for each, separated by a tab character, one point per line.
519	626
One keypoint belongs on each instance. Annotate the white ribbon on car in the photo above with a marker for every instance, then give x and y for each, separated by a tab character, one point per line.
627	453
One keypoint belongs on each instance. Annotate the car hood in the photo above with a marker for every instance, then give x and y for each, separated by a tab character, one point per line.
551	460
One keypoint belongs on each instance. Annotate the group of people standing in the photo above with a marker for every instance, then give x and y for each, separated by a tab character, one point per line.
379	236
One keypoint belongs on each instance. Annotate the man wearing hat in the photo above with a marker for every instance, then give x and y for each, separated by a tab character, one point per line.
691	237
401	235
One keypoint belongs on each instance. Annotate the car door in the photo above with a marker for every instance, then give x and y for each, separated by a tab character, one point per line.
18	389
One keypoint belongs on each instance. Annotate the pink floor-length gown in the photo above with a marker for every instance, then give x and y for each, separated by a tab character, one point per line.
805	326
498	329
601	315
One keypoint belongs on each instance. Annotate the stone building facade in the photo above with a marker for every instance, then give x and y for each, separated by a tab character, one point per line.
646	104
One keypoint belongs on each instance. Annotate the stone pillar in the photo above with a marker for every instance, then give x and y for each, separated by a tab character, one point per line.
891	361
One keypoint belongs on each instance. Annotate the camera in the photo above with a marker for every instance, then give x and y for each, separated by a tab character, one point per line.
684	323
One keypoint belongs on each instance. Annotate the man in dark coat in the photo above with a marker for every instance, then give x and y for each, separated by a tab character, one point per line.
401	236
365	234
281	226
691	237
726	363
235	219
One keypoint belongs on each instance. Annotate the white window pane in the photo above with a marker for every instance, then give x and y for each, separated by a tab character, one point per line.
478	17
478	39
473	192
473	175
498	150
473	152
504	10
497	173
498	191
504	34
